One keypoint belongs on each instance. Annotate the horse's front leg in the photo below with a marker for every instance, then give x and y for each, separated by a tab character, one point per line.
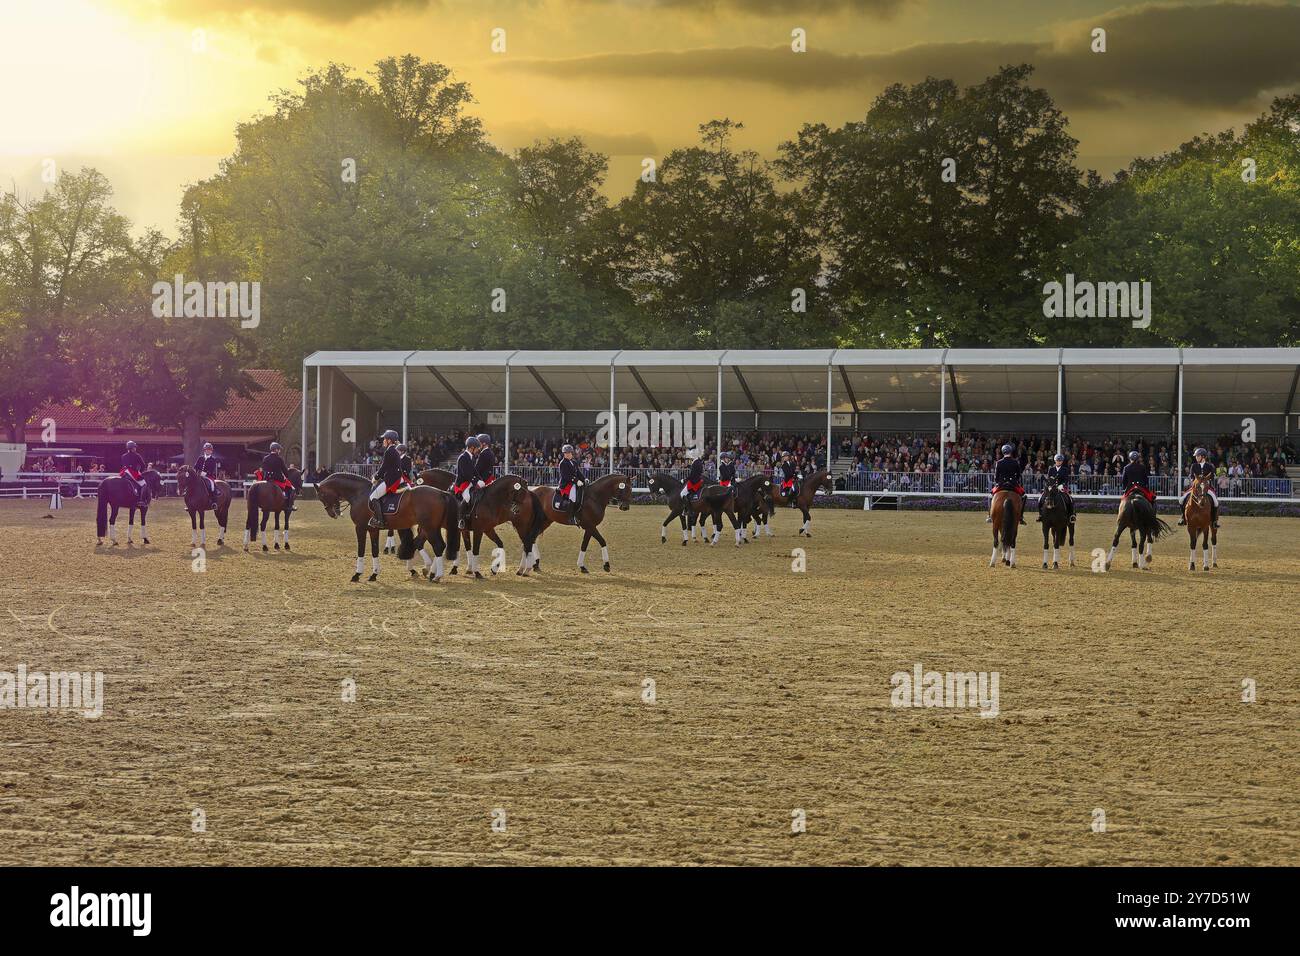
807	519
112	526
194	528
361	553
286	528
374	554
144	530
604	548
582	551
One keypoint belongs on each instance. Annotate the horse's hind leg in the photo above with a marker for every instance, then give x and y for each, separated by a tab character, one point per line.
374	555
1070	526
130	525
1191	549
286	528
1214	545
473	555
1046	532
112	526
266	514
993	559
807	520
492	536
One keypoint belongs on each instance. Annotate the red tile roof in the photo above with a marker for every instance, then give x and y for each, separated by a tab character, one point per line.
265	412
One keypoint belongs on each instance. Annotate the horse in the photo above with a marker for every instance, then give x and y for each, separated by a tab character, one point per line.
118	492
600	493
197	501
1056	521
433	511
498	503
269	498
714	500
1198	514
752	497
1007	508
803	498
1138	515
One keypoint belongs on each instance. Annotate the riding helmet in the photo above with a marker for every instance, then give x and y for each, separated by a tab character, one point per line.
130	446
401	449
392	433
471	441
566	450
484	438
275	446
207	444
1008	450
1199	452
1058	457
1134	455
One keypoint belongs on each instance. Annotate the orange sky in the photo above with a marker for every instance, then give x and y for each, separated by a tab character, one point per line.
149	91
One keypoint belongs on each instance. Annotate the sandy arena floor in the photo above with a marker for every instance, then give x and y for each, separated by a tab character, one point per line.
223	693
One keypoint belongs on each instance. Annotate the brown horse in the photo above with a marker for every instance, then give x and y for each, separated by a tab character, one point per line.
498	503
541	513
803	498
194	490
428	509
1007	507
270	499
713	500
1198	514
752	497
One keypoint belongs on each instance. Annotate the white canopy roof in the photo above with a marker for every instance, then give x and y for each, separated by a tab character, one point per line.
1252	380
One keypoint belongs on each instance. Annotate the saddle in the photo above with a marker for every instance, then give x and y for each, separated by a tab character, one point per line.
389	502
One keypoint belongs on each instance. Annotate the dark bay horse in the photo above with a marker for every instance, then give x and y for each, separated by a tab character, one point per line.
600	493
432	511
713	500
803	497
1199	524
118	492
1138	515
1056	521
753	495
191	487
1007	508
269	498
498	503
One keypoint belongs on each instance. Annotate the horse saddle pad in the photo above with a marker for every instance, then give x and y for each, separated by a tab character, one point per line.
390	502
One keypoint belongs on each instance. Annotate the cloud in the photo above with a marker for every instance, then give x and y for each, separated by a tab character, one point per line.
515	135
1222	56
334	11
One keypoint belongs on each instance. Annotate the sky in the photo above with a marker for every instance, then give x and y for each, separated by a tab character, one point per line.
150	91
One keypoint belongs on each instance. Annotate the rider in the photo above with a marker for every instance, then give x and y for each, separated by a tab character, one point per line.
485	472
789	476
571	481
726	470
1135	477
133	470
1006	477
388	479
206	465
408	467
694	477
465	474
273	469
1201	468
1060	473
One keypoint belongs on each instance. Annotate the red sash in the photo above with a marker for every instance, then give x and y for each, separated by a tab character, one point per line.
788	483
725	484
694	486
565	489
130	473
460	488
1146	493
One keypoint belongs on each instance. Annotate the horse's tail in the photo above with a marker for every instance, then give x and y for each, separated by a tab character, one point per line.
406	544
101	512
1148	522
450	521
252	510
539	517
1009	520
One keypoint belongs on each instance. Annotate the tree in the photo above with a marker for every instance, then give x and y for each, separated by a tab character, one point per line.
63	256
939	211
714	253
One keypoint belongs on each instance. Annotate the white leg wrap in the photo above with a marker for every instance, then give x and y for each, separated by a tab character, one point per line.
374	563
993	559
437	566
604	554
1056	555
246	537
424	556
361	565
1013	557
203	536
683	534
582	559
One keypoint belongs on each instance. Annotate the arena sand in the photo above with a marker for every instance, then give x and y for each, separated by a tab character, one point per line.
1120	692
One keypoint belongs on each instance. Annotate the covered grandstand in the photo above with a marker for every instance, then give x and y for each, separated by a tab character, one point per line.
1185	394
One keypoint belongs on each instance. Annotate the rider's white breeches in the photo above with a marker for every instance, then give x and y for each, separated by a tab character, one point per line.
573	493
378	491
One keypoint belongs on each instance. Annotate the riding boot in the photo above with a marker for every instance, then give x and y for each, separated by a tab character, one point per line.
1214	516
376	506
1023	499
